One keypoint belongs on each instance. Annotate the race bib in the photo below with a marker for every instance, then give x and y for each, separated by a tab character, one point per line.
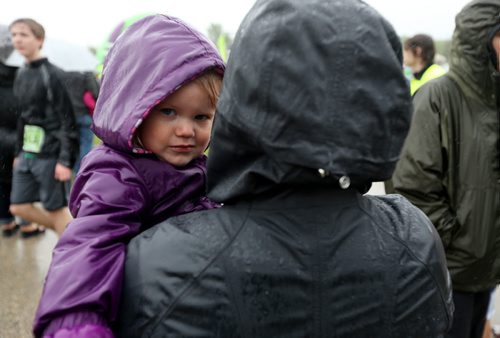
33	138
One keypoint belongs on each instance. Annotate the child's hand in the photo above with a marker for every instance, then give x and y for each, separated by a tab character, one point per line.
62	173
85	331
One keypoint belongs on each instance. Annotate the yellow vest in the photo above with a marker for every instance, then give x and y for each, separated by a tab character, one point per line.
432	72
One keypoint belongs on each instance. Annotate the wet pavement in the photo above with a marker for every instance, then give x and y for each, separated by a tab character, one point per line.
23	266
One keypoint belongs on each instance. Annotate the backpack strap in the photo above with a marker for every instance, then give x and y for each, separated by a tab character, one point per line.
46	82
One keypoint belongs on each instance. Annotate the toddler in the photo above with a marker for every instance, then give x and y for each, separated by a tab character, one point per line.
154	114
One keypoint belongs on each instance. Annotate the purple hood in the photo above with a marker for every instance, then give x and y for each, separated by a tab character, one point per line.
143	76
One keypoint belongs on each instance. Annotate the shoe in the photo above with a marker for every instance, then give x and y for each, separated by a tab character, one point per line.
7	232
38	231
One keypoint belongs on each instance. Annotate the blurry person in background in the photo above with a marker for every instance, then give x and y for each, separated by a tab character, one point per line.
450	163
9	110
47	143
78	85
297	249
418	55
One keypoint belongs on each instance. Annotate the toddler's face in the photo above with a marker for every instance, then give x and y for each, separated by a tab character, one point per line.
178	129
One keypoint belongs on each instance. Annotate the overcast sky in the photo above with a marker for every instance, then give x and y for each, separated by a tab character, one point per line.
89	22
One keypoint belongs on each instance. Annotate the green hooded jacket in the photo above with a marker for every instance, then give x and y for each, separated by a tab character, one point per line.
449	165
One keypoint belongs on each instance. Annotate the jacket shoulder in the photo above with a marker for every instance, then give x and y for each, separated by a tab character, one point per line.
423	259
104	156
439	87
398	217
56	74
195	240
104	160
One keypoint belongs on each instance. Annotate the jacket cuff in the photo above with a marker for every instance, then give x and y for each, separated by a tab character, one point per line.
65	163
60	327
84	331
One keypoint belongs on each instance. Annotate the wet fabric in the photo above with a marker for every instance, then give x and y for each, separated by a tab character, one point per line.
119	192
313	91
450	164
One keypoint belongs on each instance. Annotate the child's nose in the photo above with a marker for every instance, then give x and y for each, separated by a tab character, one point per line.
184	128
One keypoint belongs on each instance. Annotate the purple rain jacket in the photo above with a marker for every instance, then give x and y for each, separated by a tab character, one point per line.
119	191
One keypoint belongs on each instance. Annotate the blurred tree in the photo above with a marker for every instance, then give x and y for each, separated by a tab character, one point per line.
221	39
443	47
214	31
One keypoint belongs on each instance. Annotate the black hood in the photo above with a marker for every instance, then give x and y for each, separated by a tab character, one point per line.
309	96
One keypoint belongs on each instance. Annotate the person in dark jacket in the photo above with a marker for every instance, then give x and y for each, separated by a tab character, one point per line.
9	112
155	125
47	143
78	84
450	164
314	107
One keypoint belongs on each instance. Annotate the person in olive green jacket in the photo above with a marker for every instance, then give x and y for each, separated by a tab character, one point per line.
450	168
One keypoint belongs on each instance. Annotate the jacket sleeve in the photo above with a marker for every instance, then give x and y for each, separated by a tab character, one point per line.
9	140
19	136
420	172
83	285
68	134
9	137
423	284
92	84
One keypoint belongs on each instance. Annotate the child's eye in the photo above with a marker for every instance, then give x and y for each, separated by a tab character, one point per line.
167	111
202	117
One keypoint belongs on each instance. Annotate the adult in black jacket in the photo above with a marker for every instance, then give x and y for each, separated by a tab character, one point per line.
314	108
9	112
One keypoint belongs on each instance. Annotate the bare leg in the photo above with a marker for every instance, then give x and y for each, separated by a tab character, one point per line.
32	213
61	218
56	220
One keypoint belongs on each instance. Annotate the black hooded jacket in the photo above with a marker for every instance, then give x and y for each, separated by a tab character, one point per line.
9	113
313	99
